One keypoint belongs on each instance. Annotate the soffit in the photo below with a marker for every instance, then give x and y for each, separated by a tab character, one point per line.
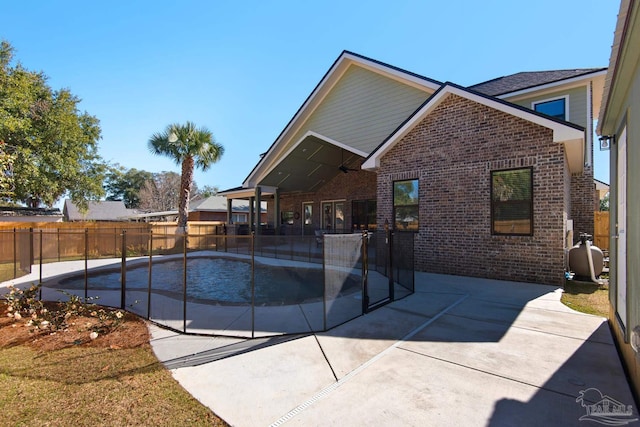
624	60
311	164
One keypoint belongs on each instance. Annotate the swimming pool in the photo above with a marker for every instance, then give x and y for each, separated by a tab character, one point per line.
217	280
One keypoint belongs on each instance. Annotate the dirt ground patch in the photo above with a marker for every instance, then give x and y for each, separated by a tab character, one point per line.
131	333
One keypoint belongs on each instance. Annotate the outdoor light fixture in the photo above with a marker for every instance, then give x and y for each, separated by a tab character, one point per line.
606	141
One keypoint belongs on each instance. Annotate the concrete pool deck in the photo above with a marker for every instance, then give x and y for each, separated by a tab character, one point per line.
210	316
460	351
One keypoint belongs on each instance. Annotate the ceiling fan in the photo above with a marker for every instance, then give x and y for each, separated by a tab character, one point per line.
342	167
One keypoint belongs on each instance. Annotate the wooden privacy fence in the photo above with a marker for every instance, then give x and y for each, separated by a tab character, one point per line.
67	240
601	229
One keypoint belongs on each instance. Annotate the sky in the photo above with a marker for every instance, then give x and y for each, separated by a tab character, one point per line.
243	68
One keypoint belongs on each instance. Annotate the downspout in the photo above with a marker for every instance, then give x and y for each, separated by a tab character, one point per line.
590	258
589	149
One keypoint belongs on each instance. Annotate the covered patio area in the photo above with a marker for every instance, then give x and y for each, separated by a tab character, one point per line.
317	186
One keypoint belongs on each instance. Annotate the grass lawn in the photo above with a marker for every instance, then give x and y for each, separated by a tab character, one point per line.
67	379
586	297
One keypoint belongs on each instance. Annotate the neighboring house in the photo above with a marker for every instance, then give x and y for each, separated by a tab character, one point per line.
14	214
215	208
619	126
97	211
487	186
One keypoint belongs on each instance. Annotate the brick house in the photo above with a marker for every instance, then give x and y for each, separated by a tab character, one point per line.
214	208
455	150
490	179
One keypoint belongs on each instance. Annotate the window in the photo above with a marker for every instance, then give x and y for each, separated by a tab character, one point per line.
405	205
553	107
308	226
239	218
363	215
307	208
512	202
333	216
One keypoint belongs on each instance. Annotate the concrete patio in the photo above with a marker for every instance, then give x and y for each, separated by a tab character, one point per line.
460	351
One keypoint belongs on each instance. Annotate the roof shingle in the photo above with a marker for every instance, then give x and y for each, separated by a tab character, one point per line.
97	211
528	79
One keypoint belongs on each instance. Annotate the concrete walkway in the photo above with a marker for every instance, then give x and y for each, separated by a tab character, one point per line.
460	351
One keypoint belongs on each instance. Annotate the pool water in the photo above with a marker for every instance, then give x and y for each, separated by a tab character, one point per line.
220	280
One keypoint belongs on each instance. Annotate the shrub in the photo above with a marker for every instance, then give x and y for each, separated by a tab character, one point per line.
24	305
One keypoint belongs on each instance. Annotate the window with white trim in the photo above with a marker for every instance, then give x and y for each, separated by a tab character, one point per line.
553	107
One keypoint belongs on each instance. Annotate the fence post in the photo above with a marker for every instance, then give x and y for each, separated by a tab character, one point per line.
150	268
184	283
391	265
40	259
253	285
123	270
86	263
365	270
31	252
324	286
58	245
15	254
224	233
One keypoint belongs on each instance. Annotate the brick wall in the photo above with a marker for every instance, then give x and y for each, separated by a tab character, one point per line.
452	152
582	202
354	185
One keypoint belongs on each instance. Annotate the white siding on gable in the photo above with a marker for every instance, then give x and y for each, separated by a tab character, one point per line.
577	103
362	109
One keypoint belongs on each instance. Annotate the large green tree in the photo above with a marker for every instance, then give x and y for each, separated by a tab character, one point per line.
190	147
125	184
54	144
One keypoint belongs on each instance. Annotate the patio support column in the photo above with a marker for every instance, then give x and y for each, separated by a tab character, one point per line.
252	216
258	209
276	210
229	211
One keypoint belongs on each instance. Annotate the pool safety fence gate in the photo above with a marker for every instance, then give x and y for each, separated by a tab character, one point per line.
215	284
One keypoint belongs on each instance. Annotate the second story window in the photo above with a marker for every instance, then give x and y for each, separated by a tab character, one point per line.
554	107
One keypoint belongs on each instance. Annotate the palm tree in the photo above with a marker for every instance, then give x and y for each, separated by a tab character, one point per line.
188	146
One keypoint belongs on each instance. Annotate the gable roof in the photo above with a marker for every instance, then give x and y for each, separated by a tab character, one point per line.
529	79
216	204
97	211
346	59
563	132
